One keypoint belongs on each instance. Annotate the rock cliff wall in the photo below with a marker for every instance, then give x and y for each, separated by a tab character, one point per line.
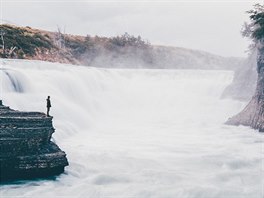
253	114
26	149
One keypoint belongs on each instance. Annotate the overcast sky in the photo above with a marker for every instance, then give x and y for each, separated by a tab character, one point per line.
212	26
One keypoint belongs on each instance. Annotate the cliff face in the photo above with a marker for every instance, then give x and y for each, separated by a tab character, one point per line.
26	149
245	80
253	114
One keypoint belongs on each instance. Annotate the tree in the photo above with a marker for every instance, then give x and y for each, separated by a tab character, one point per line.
60	39
129	40
253	114
255	29
5	51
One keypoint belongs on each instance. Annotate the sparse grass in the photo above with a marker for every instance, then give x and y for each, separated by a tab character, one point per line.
23	39
26	42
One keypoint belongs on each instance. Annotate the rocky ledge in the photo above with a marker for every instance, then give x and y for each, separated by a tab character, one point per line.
26	149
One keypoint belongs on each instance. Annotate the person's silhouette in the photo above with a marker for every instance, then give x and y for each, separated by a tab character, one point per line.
48	106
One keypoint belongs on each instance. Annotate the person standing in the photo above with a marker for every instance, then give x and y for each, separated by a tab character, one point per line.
48	106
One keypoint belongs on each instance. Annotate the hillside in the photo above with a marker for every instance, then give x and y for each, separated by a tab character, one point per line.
120	51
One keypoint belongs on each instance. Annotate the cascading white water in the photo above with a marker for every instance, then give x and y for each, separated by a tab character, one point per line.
138	133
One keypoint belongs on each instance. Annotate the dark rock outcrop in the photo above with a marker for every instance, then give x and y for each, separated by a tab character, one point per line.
26	149
253	114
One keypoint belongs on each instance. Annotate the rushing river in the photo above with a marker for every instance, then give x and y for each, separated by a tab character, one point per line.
137	133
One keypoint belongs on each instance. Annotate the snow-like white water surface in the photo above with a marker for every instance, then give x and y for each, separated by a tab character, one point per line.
138	133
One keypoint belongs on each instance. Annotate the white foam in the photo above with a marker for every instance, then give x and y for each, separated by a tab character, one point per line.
139	133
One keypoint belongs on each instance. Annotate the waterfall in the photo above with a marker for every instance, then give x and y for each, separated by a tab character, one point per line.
137	133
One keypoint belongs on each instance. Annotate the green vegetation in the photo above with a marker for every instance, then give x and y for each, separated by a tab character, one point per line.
91	44
25	42
78	46
128	40
21	41
255	29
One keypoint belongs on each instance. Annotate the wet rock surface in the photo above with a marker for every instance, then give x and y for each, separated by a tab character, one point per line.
26	149
253	113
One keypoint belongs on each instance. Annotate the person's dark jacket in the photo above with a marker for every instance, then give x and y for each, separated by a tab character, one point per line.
48	103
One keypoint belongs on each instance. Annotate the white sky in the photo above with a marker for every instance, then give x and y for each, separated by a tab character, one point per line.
212	26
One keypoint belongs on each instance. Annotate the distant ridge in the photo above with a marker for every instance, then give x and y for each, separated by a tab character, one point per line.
115	52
